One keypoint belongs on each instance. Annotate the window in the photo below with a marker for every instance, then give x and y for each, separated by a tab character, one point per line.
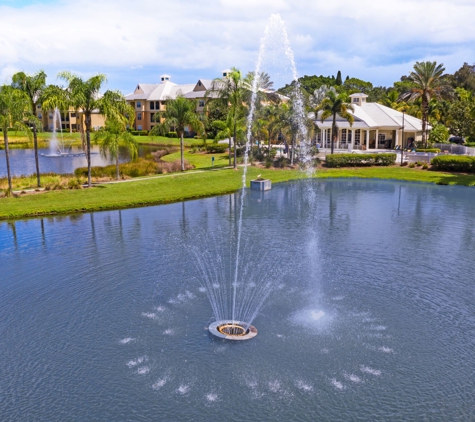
357	136
381	138
356	100
343	135
151	117
139	116
199	83
50	115
139	127
39	116
38	107
157	105
152	105
73	114
201	103
139	104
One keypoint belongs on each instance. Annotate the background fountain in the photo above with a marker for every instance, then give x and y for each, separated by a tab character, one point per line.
58	147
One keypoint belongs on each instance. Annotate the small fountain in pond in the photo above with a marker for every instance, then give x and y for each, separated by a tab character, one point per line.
58	147
231	322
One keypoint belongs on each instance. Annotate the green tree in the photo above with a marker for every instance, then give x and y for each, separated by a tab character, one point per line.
465	77
429	83
333	105
84	95
439	134
353	85
228	128
112	136
338	79
14	111
462	114
179	114
33	86
391	100
229	93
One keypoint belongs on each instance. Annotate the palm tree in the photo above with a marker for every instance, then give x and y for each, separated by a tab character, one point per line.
180	113
227	128
14	110
230	93
333	105
428	83
33	86
84	96
112	136
391	100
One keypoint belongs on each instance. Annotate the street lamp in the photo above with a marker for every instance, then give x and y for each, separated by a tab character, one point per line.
402	140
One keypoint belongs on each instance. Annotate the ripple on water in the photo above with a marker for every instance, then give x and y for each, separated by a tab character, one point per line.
183	389
143	370
337	384
134	362
126	340
368	370
159	383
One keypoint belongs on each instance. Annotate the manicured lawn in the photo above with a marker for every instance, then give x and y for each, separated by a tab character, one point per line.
200	160
162	140
181	186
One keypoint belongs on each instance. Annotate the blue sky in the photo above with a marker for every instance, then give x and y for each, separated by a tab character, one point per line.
135	42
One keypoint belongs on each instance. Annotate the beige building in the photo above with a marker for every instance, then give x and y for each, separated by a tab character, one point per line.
150	99
70	120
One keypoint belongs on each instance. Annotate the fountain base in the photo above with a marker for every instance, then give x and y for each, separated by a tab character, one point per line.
232	330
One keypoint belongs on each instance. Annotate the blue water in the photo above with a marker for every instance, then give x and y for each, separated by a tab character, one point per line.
102	316
22	161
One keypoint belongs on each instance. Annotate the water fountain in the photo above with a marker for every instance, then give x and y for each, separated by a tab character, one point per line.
58	147
228	324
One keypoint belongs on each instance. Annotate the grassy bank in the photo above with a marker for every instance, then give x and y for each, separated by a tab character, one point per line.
177	187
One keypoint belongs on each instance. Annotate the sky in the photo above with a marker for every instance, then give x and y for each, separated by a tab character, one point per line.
137	42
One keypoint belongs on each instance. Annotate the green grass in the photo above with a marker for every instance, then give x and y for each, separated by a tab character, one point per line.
200	160
164	141
177	187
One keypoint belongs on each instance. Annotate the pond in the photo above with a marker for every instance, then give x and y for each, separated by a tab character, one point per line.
371	317
22	161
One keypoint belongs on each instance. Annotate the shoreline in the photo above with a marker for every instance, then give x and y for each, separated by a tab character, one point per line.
177	187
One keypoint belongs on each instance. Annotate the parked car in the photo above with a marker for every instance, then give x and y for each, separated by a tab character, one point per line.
457	140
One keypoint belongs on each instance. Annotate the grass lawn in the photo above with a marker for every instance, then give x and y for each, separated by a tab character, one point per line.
177	187
200	160
162	140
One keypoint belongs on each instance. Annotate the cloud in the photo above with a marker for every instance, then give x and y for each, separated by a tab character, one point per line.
365	38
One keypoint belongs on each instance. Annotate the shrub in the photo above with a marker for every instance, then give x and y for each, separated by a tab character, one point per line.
268	164
165	167
358	160
434	150
139	132
74	184
216	148
172	135
425	166
412	165
454	163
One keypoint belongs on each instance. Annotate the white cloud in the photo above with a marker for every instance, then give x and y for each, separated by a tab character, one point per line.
363	38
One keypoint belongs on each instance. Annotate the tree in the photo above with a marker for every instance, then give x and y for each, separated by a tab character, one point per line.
227	128
338	79
465	77
429	83
333	105
33	87
391	100
84	95
180	113
112	136
14	110
462	114
353	85
229	92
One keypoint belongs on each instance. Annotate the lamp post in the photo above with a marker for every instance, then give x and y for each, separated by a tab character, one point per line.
402	140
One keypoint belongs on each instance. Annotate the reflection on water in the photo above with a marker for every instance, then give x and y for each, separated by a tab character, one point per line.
374	317
22	161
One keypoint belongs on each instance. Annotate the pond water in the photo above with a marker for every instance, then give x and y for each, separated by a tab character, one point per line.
103	317
22	161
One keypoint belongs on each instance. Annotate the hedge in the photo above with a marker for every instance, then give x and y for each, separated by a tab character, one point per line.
435	150
216	148
358	160
139	132
454	163
172	135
